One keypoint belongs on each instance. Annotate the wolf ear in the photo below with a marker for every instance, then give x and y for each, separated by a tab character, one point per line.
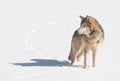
92	21
88	17
82	17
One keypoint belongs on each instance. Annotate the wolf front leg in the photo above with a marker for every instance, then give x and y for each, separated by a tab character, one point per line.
94	58
85	59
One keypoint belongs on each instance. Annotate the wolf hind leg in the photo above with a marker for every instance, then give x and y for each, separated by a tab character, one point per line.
75	56
70	55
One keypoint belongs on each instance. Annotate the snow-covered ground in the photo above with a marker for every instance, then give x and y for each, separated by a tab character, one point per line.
35	37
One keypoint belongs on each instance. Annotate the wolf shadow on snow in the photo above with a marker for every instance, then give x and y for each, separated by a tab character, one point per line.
44	62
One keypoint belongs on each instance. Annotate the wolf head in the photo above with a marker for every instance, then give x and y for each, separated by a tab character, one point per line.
87	25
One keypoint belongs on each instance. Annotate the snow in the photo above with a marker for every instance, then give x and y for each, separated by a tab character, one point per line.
36	37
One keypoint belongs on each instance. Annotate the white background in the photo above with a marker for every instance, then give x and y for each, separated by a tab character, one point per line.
35	38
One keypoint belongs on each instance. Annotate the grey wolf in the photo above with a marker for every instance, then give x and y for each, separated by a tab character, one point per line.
88	37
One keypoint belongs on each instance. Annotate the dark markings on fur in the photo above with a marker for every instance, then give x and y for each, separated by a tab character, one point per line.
85	20
100	27
76	33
